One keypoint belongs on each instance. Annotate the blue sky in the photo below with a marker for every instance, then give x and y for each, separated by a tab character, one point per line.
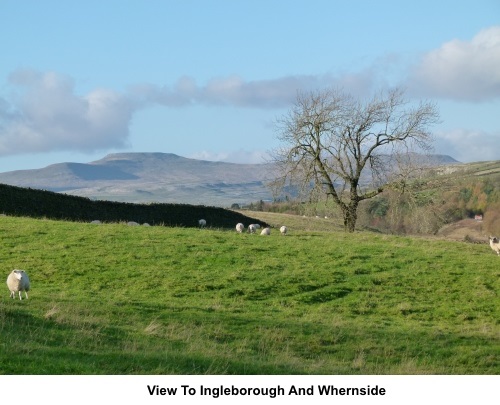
207	79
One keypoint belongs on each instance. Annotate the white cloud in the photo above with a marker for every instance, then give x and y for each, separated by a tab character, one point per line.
273	93
461	70
235	91
468	145
237	156
182	94
45	114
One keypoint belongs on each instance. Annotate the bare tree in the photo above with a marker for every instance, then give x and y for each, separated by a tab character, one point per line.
348	148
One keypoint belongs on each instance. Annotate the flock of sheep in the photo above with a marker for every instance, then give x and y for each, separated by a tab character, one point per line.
252	228
18	280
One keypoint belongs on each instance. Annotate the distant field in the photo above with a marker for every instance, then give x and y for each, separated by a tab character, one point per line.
113	299
297	222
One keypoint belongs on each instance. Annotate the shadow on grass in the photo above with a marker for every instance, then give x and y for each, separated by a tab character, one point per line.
37	345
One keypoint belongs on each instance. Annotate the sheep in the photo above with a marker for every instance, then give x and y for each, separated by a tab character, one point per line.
257	226
18	281
240	228
202	223
283	230
495	244
251	228
266	231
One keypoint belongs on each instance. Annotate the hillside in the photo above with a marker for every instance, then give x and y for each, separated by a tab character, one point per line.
151	177
466	229
161	177
430	204
114	299
18	201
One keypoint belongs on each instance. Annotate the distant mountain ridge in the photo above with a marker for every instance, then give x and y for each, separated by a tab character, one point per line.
157	177
151	177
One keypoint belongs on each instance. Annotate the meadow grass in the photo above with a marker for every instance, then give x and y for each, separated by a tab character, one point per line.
113	299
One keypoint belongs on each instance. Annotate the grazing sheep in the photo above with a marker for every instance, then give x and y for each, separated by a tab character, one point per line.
283	230
251	228
266	231
18	281
96	222
240	228
132	223
495	244
257	226
202	223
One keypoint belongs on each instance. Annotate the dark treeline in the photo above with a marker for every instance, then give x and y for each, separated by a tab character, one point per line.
18	201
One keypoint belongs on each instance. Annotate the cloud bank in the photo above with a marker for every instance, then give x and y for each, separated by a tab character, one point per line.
238	156
469	145
235	91
44	112
461	70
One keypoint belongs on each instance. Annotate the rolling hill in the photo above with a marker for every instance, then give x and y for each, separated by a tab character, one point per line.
119	300
151	177
159	177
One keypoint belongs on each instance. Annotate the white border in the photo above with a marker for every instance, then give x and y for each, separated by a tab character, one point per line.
123	390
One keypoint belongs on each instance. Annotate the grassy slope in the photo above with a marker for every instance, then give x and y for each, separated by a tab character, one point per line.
113	299
297	222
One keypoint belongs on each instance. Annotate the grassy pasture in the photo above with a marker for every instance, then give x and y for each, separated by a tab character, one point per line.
113	299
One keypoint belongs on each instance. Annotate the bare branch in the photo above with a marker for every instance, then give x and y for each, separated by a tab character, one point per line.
331	140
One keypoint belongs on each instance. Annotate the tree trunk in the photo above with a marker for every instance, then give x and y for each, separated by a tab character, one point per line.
350	214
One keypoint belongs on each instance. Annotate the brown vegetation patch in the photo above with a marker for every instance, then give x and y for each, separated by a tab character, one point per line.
465	230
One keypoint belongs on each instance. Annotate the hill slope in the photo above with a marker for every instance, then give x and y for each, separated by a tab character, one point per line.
113	299
160	177
20	201
151	177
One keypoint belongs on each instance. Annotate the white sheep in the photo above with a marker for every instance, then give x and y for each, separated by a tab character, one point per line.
240	228
266	231
251	228
495	244
18	281
202	223
283	230
257	226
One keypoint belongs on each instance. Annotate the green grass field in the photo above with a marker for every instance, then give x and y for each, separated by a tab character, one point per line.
113	299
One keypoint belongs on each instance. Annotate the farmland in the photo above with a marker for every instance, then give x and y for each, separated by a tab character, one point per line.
114	299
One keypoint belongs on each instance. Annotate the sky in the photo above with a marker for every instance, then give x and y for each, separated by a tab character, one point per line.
208	79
